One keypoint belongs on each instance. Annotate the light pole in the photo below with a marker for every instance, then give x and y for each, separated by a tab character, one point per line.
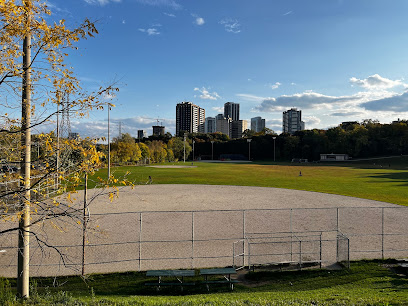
274	138
184	147
249	148
193	149
212	150
108	142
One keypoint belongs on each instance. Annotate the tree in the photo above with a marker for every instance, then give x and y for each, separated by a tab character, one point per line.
125	149
157	151
33	75
144	151
176	144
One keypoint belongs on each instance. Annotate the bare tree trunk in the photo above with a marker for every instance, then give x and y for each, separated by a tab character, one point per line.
23	274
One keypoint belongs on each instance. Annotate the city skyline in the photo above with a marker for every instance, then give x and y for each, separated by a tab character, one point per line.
335	60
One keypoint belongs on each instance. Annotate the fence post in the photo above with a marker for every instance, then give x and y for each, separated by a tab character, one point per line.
192	240
321	250
382	232
140	242
337	219
249	256
243	237
233	255
291	236
300	254
84	223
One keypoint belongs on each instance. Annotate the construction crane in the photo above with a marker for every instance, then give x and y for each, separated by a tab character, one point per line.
156	119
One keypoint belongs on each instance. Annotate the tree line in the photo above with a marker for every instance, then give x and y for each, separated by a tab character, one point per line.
368	138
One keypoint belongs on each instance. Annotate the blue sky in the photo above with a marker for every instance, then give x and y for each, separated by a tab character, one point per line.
336	60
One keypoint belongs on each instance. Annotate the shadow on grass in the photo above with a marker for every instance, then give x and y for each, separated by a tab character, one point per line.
369	273
391	177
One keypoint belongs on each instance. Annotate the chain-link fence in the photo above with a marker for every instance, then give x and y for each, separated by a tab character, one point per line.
136	241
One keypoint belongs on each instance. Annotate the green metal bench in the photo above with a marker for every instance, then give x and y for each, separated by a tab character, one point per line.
225	272
178	274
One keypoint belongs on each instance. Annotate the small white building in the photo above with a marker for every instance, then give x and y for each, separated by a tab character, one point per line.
334	157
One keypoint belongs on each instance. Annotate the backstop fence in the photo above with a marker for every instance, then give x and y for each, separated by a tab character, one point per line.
137	241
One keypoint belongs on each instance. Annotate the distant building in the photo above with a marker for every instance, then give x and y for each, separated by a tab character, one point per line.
190	118
210	125
333	157
73	136
257	124
400	121
158	130
346	124
238	127
231	110
292	121
141	134
219	117
223	125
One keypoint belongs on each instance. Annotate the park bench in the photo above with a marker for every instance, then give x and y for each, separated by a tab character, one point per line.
225	272
178	275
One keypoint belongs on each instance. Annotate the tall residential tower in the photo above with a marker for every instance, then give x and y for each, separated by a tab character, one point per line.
231	110
190	118
292	121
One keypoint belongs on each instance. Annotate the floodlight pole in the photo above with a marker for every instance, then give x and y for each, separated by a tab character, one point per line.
184	147
249	148
274	138
193	149
212	150
109	142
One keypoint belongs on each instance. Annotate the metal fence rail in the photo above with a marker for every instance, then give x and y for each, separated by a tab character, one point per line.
208	238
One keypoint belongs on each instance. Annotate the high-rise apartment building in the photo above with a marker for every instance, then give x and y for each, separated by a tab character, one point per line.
210	125
238	127
257	124
223	125
141	134
292	121
190	118
231	110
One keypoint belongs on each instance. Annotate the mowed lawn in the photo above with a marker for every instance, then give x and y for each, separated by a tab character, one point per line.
367	181
366	283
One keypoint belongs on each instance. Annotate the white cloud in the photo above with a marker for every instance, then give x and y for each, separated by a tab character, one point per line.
123	21
311	121
162	3
150	31
306	100
198	20
159	3
101	2
231	25
345	113
251	98
376	82
219	109
288	13
206	95
275	86
395	103
170	15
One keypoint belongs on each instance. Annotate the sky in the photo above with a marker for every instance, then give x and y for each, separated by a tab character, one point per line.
336	60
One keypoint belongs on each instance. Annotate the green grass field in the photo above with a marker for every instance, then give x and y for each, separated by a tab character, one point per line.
366	283
363	180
